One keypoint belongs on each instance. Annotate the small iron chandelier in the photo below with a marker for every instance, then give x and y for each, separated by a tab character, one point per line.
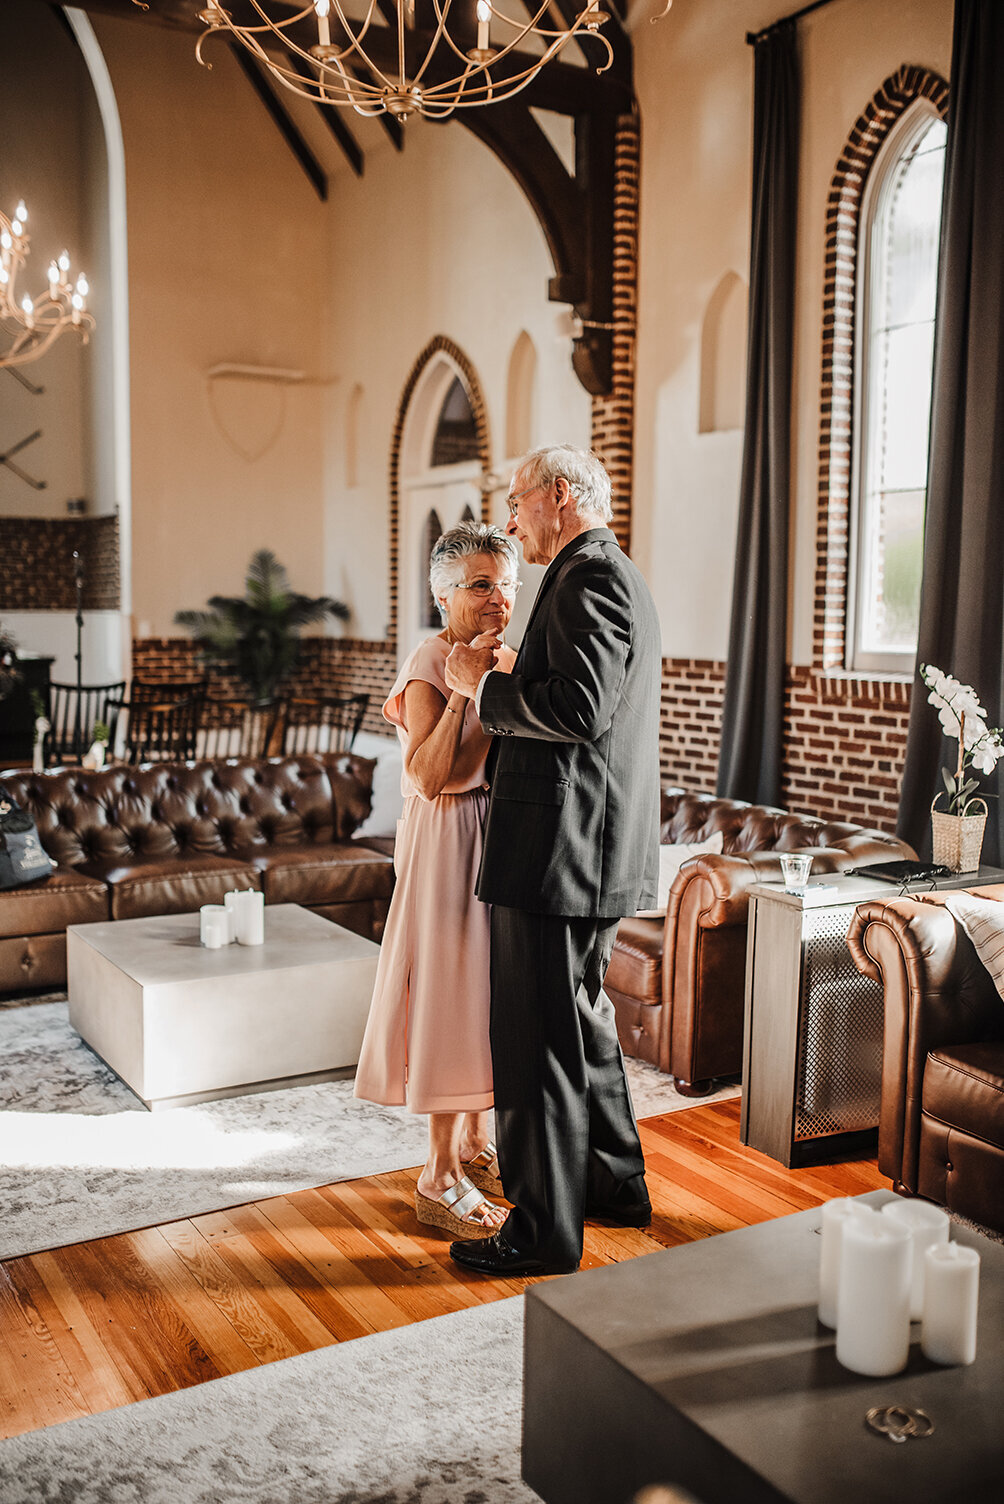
33	324
378	62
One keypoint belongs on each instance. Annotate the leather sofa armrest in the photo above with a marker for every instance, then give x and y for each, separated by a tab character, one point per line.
936	992
725	883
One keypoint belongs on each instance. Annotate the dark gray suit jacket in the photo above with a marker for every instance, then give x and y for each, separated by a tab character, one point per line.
573	822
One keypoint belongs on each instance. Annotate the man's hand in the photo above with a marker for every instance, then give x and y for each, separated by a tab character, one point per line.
467	665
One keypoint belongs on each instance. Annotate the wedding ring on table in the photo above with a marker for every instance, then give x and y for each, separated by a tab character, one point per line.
899	1422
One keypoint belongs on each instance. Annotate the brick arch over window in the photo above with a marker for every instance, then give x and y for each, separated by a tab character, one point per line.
836	400
438	345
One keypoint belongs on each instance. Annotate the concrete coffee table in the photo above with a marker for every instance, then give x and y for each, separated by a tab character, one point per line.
181	1023
705	1367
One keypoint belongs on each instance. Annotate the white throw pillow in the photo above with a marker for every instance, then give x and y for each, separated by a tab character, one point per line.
388	801
671	859
983	921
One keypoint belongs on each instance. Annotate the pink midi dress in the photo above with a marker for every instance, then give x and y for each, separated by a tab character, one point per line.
426	1041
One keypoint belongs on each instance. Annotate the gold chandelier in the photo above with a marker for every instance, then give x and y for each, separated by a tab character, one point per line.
376	60
33	324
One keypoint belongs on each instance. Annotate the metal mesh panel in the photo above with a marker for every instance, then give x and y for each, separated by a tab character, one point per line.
840	1038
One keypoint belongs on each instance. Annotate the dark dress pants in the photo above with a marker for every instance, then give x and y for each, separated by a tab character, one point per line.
564	1124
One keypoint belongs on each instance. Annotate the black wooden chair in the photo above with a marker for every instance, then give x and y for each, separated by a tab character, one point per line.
73	711
324	724
236	728
159	730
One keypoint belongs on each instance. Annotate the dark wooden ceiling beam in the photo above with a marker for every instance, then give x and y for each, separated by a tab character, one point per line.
350	147
283	120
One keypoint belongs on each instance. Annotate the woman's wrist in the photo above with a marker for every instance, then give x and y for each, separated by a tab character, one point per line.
457	703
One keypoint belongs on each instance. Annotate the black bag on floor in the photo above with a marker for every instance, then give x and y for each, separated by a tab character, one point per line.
23	859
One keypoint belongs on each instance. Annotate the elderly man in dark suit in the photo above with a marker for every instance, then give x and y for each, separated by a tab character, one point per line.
571	847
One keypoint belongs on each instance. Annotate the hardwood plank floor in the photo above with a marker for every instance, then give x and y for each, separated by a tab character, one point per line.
95	1325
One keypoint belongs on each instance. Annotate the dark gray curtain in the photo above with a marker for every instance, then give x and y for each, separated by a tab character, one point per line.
962	597
749	765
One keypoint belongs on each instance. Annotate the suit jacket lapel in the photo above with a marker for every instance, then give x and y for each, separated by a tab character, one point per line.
551	574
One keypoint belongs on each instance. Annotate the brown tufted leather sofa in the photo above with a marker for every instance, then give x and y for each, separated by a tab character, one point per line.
169	837
941	1121
677	984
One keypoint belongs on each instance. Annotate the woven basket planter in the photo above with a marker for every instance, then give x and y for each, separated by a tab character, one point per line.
958	839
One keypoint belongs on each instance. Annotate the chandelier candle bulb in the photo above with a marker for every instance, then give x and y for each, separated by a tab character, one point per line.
951	1299
927	1226
873	1296
322	7
484	22
836	1215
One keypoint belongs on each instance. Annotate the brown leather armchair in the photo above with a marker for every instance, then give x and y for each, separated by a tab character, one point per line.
677	984
941	1125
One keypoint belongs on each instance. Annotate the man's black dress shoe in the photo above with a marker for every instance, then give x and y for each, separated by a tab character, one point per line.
633	1214
496	1255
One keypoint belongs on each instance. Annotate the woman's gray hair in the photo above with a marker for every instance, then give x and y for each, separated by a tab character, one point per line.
583	470
459	543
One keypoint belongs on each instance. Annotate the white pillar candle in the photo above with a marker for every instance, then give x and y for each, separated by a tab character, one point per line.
251	918
926	1225
836	1214
873	1296
951	1296
208	915
214	926
230	901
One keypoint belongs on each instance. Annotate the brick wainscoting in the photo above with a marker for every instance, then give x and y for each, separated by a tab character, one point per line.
37	570
328	666
845	738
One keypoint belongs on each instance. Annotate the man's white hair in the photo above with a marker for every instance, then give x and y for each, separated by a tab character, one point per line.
588	481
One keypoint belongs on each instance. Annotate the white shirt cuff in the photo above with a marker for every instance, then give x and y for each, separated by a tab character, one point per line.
478	691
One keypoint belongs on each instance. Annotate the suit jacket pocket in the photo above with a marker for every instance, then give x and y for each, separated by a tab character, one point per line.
530	788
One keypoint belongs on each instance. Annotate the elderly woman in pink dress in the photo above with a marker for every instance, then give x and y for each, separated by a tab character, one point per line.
426	1042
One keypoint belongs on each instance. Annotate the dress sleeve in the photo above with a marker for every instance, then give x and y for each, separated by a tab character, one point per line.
427	663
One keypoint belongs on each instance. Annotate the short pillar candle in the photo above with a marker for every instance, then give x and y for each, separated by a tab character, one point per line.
214	926
951	1297
873	1297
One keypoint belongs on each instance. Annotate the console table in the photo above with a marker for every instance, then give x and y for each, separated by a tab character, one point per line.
705	1367
812	1041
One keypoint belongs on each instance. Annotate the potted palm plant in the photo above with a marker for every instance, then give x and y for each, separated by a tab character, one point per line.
257	635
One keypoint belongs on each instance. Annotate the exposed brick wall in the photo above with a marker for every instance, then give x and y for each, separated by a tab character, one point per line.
844	738
37	572
690	719
843	213
613	416
328	666
844	746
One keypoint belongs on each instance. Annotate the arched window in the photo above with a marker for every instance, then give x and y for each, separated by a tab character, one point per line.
456	436
433	530
897	269
521	396
353	422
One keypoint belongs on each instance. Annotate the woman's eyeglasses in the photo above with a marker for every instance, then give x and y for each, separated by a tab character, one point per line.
484	588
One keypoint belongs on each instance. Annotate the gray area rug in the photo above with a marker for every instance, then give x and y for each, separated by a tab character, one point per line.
81	1158
426	1414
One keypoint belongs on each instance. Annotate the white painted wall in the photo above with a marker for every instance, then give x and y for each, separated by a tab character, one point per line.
694	75
46	137
437	240
233	258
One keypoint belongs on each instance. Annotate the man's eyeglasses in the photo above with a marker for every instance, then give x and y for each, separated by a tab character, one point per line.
512	501
484	588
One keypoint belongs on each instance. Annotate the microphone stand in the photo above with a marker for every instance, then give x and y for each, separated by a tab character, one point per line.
78	580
